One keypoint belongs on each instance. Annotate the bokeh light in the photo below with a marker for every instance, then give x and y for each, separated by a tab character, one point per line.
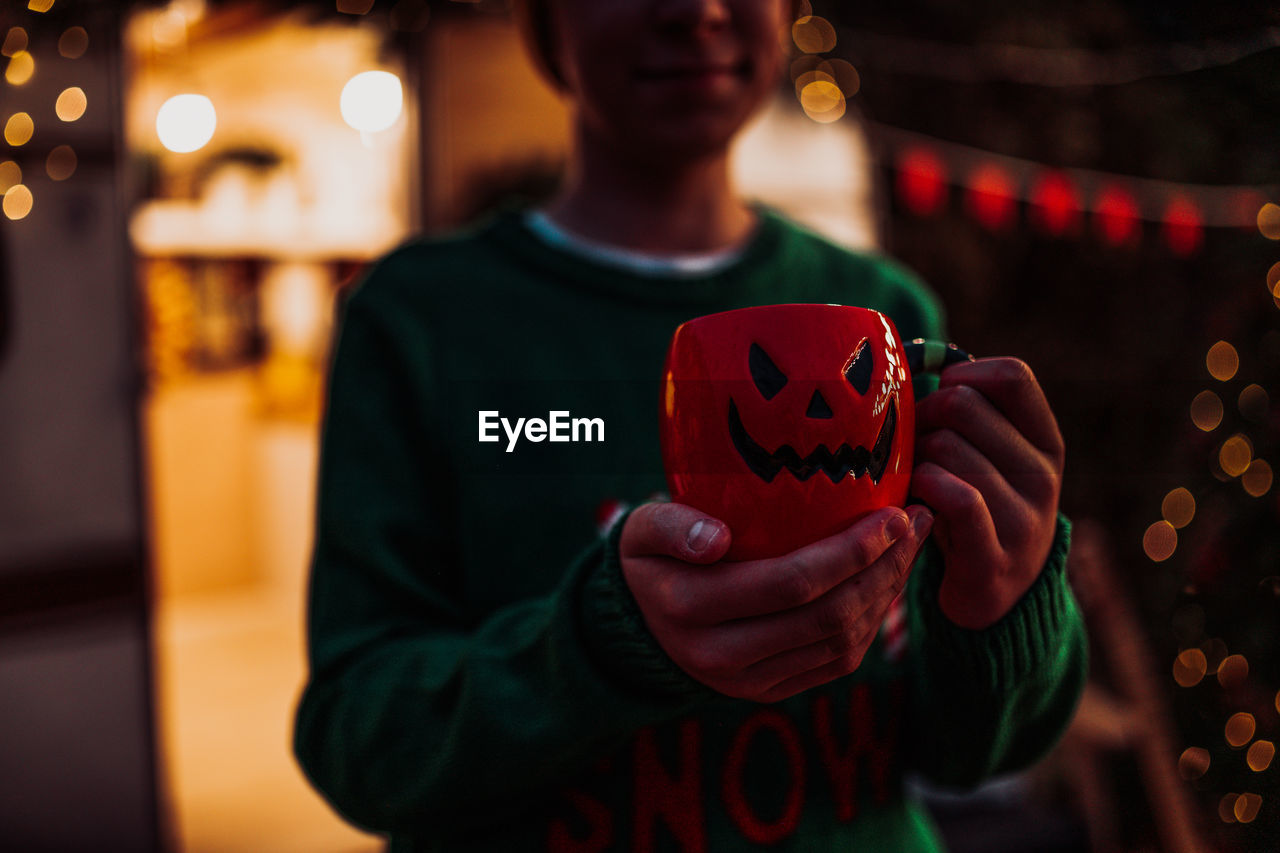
991	197
1222	360
1227	807
1189	667
1269	221
186	123
1115	215
1178	507
14	41
1260	755
1235	455
1254	403
18	202
1206	411
1055	203
822	101
1246	807
73	43
1257	479
1160	541
1193	763
19	129
20	69
71	104
922	181
1233	671
371	101
40	5
61	163
10	174
813	34
1183	226
1240	729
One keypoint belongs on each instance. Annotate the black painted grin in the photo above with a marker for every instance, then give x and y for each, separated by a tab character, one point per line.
846	460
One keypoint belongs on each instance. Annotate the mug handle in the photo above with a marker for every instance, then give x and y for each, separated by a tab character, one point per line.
925	356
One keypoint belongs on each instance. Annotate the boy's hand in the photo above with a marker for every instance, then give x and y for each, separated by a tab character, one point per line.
766	629
989	460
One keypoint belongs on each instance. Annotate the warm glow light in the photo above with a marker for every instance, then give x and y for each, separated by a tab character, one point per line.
1269	221
1223	361
1193	762
17	202
61	163
822	101
847	77
1260	755
10	174
1206	411
21	66
991	197
14	41
1183	226
1254	403
1178	507
371	101
1246	807
1257	479
1189	667
71	104
186	123
1240	729
1273	279
813	34
1235	455
1226	808
19	129
1233	671
73	43
40	5
1160	541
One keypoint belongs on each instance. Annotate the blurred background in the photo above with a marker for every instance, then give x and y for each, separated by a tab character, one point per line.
187	186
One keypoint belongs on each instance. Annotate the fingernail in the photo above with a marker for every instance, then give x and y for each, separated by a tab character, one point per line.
922	522
896	528
701	535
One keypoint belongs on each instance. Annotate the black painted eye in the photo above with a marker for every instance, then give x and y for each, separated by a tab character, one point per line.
768	378
859	370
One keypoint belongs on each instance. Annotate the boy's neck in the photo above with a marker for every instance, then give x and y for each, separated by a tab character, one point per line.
664	208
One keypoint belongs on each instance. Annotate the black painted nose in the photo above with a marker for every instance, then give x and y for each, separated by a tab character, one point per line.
818	407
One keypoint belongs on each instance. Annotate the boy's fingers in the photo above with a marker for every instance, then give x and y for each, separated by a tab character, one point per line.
758	587
1012	388
851	609
673	530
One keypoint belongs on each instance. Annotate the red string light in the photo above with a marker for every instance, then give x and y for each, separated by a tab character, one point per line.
1055	204
1115	215
992	197
922	181
1183	226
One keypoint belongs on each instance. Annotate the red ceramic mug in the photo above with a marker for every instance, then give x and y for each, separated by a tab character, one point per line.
789	422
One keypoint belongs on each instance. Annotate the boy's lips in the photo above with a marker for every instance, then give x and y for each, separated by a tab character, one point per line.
692	71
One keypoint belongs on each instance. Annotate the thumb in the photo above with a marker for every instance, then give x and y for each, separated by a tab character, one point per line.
673	530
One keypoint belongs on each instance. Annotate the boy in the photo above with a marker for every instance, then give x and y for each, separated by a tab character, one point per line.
489	674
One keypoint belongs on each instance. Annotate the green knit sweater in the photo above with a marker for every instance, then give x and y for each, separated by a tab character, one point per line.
482	679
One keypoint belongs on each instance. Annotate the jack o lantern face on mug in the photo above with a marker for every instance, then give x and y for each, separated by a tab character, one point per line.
787	422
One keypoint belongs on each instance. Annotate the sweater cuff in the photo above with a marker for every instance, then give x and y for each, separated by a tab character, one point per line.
618	638
1006	653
